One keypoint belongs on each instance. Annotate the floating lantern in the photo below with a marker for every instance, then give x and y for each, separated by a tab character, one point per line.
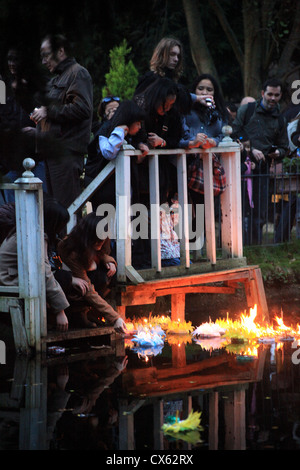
209	330
187	429
179	327
146	338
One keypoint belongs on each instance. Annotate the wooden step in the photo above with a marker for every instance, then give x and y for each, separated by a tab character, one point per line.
55	336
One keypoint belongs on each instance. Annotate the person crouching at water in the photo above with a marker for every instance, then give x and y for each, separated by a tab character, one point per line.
83	252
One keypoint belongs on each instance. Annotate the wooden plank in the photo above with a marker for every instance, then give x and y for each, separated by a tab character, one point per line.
231	230
178	307
195	290
140	298
262	305
183	210
189	369
18	326
91	188
195	268
213	433
9	290
78	333
123	199
31	264
209	207
238	275
133	275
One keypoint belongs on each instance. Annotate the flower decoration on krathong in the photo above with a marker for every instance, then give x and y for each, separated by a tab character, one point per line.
179	327
209	330
149	337
150	322
187	430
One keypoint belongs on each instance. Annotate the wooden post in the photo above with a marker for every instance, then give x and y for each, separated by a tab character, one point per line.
33	417
158	421
123	199
213	420
231	206
31	256
235	420
183	210
209	207
178	307
155	212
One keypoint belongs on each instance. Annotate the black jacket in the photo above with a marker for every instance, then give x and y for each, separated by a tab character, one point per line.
70	106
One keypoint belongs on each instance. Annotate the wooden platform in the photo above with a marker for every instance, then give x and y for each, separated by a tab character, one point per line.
15	307
225	281
216	282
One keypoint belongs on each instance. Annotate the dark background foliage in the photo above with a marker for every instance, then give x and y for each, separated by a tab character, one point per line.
95	27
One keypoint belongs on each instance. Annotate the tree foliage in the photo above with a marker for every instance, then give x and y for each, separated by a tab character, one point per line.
122	78
241	43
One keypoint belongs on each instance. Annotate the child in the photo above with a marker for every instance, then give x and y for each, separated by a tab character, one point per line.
247	167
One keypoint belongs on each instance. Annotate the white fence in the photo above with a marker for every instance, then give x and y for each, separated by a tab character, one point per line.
230	203
30	295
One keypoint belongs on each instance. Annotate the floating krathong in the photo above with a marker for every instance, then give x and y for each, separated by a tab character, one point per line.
209	330
147	338
179	327
144	322
187	429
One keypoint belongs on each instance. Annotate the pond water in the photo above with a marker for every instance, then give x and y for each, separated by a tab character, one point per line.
114	399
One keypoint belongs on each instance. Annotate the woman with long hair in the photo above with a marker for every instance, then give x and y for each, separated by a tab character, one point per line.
162	127
166	61
83	251
209	112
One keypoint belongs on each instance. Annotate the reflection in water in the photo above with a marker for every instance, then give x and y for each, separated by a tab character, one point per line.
121	403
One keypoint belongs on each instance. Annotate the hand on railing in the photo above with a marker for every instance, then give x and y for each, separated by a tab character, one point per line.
258	155
145	150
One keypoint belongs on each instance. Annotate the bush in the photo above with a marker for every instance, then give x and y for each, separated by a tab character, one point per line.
122	78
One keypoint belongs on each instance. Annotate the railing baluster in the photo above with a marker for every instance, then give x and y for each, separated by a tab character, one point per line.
155	211
183	210
210	230
123	240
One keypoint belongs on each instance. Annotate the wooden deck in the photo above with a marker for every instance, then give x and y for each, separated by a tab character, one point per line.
225	281
26	303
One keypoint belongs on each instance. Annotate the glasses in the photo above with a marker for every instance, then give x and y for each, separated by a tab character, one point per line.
110	98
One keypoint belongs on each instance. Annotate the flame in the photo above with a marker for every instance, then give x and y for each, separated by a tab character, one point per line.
246	330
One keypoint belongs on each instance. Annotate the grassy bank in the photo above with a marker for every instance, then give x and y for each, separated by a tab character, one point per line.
279	264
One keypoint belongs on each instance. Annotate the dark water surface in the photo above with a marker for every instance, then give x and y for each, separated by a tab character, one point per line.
100	401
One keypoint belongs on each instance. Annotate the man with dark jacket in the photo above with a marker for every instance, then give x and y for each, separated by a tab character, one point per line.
266	129
67	116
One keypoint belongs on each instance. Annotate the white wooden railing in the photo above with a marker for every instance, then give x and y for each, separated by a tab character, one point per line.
29	297
231	219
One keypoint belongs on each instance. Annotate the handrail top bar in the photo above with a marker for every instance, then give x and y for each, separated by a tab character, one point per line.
27	186
178	151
